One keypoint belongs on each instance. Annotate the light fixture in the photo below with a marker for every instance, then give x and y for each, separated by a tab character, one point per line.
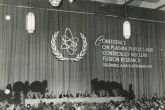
71	1
7	91
55	3
30	22
7	17
126	26
126	29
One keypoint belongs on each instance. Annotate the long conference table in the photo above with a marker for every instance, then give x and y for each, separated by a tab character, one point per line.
89	100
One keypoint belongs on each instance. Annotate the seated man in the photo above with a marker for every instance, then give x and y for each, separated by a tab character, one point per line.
155	98
101	94
29	95
52	95
107	94
79	94
36	95
46	95
62	95
69	95
94	95
144	98
86	94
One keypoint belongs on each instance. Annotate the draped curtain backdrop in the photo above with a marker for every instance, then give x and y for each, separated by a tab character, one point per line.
29	57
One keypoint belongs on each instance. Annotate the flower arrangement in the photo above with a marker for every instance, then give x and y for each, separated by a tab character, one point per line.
114	88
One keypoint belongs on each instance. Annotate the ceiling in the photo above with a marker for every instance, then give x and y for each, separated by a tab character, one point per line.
151	4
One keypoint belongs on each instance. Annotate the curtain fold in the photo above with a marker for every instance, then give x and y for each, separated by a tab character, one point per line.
29	56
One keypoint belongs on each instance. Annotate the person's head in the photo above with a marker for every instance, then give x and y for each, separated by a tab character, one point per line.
93	92
7	106
44	103
21	105
68	92
86	92
51	103
28	105
155	94
63	103
79	92
113	106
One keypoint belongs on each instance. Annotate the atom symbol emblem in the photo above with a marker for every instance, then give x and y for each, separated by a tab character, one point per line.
69	44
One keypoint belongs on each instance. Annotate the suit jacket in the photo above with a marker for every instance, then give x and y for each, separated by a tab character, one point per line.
36	97
69	95
154	99
86	95
62	95
144	99
78	95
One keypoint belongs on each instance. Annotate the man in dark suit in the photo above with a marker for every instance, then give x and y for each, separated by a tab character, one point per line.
144	98
79	94
69	95
62	95
86	94
101	94
36	96
155	98
163	96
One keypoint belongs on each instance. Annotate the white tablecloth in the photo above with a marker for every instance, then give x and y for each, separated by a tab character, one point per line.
90	100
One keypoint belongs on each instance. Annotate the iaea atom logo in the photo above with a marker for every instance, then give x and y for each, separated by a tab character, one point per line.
70	45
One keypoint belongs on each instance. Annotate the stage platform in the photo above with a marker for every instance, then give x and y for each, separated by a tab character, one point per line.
89	100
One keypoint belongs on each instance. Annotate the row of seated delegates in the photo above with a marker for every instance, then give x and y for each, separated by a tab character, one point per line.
86	94
48	95
100	94
38	95
78	95
34	95
94	95
68	95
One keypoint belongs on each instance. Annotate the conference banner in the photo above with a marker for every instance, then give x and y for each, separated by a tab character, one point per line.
116	53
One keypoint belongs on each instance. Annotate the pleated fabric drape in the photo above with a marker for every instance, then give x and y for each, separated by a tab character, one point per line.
29	57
